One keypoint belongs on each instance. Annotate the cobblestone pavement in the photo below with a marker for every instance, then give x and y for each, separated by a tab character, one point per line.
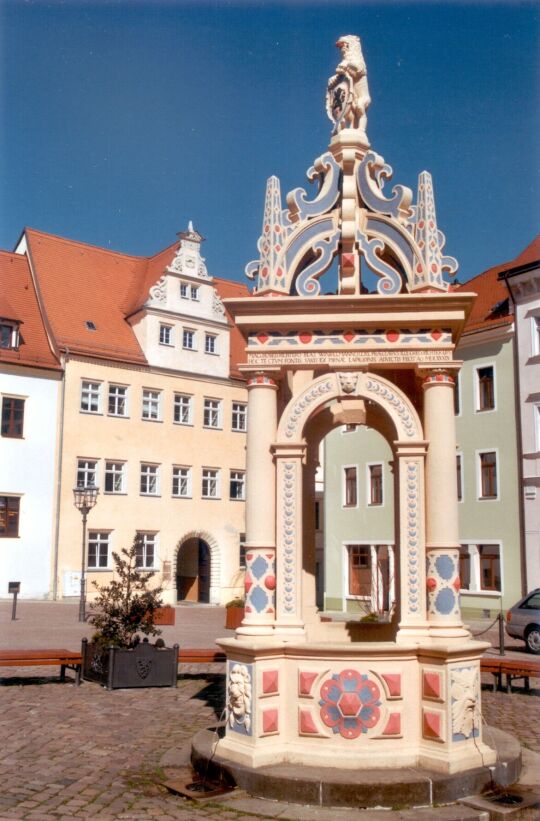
83	752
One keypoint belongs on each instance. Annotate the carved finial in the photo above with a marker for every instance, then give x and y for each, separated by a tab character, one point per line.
191	234
347	94
428	273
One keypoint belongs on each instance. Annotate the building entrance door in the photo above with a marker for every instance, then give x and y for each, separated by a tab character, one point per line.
193	571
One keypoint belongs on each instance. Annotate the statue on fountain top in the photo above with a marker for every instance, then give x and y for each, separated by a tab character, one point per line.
347	94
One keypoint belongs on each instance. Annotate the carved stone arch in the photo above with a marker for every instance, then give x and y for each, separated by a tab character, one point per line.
215	559
349	384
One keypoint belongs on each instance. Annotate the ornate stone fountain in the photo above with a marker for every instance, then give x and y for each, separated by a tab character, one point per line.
347	695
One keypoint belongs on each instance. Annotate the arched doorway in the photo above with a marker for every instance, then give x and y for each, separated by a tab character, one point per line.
193	571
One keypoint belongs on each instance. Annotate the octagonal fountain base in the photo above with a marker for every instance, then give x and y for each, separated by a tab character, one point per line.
359	788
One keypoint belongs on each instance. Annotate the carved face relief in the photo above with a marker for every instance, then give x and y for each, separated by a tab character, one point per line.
239	697
348	382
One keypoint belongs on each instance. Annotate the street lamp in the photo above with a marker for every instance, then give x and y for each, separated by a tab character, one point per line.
84	500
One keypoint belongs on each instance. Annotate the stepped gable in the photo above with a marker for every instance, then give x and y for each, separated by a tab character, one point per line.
19	303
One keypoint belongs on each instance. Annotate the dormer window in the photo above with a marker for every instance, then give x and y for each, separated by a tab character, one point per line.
90	326
184	290
195	293
9	334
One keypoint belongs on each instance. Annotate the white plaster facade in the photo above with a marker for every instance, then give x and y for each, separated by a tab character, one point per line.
523	281
27	470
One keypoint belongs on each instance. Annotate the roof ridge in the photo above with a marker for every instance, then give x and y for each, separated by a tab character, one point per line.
87	245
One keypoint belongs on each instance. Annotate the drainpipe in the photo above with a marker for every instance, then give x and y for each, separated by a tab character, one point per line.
60	450
517	402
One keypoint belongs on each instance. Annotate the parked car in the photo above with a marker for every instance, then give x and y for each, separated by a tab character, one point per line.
523	620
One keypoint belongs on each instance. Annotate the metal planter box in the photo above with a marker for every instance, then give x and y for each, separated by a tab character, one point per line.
142	666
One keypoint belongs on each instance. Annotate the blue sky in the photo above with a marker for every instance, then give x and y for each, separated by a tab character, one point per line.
121	120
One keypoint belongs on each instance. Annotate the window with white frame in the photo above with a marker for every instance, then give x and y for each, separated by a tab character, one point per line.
145	550
457	394
535	335
194	293
90	396
149	485
117	400
12	417
536	412
183	409
375	485
359	561
9	516
210	483
165	334
488	480
490	567
212	413
459	476
350	486
181	482
151	405
480	567
239	416
242	551
184	290
237	484
188	339
98	549
210	343
485	388
9	334
115	476
87	473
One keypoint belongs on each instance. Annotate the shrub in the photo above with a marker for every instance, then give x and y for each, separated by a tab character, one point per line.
237	602
126	606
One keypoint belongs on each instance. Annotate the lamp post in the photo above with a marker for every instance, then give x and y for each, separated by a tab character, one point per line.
84	500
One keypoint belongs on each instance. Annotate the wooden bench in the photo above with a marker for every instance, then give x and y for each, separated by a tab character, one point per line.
512	669
200	655
65	659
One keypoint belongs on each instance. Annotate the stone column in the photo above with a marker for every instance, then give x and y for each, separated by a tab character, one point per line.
474	565
442	527
309	581
391	577
412	573
260	581
289	534
376	591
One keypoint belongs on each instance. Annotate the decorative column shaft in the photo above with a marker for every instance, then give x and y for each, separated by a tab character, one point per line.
289	538
309	581
442	527
260	580
412	574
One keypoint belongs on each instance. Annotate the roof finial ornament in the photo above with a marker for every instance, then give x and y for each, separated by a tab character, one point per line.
347	94
192	235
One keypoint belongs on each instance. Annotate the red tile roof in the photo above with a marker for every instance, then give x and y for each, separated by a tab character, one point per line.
81	283
18	301
530	255
493	306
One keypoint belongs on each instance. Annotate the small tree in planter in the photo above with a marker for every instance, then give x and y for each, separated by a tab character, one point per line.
124	609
